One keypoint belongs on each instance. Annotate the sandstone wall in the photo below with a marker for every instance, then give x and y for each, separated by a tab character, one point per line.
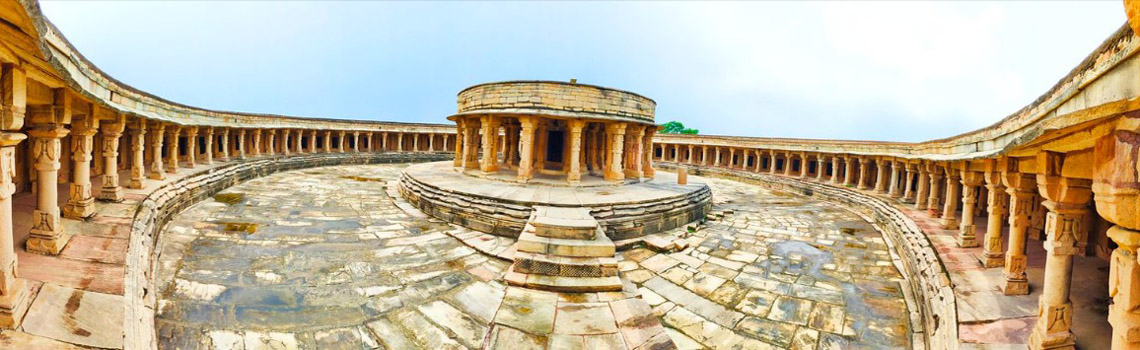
166	201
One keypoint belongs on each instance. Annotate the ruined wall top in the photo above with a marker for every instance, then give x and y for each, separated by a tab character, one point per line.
556	99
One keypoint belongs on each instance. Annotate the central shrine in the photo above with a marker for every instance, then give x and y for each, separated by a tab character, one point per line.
564	168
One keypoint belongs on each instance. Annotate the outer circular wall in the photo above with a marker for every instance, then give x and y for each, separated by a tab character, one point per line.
545	97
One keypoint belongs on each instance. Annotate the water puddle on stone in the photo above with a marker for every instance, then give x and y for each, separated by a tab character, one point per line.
230	198
423	225
246	228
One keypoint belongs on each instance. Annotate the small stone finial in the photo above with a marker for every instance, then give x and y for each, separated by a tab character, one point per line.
573	81
682	176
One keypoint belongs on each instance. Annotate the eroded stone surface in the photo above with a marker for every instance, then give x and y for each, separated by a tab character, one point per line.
312	258
777	269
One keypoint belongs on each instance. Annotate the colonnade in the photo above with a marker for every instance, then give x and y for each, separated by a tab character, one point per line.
50	136
1045	195
529	144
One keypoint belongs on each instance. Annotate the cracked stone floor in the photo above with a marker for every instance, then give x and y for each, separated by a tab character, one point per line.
326	258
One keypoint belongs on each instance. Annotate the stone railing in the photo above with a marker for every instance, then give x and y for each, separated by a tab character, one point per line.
166	201
929	292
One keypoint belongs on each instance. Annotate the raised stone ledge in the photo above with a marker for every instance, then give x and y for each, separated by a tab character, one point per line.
502	217
930	298
167	200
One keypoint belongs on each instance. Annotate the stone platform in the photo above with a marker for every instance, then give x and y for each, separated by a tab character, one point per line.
625	212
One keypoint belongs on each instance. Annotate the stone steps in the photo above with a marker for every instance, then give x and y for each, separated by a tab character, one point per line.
600	246
565	284
564	250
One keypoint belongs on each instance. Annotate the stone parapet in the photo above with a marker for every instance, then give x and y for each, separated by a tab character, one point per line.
555	99
166	201
929	291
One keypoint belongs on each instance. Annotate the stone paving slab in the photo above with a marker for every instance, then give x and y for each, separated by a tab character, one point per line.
76	316
331	246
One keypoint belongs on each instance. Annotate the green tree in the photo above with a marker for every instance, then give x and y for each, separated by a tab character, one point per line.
676	127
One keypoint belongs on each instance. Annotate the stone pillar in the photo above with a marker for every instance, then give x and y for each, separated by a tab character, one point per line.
922	193
157	131
997	207
575	174
1124	289
138	144
47	235
716	157
633	167
172	133
526	148
803	165
224	146
1116	180
881	176
893	189
14	298
864	174
849	175
111	191
400	139
950	206
932	203
704	155
471	148
1067	201
208	151
820	166
907	183
689	155
81	204
460	142
191	146
616	133
647	152
297	146
313	142
967	232
1021	189
240	147
255	138
270	142
835	169
490	131
13	289
787	164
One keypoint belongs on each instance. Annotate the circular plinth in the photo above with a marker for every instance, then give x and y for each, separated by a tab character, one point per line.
502	208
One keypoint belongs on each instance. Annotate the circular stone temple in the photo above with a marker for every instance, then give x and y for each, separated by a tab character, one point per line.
562	167
555	130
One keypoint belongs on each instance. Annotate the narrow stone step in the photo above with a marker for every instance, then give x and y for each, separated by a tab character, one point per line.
567	223
542	264
600	246
564	284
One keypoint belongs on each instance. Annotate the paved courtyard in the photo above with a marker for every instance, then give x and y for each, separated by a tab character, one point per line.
326	258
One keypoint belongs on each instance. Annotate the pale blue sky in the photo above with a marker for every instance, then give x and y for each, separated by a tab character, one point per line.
898	71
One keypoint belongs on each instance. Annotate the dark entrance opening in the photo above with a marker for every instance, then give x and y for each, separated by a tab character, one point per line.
555	140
